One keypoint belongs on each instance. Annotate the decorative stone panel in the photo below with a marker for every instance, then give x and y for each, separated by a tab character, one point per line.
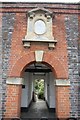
39	28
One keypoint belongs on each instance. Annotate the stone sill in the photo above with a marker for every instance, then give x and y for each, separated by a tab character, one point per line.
51	43
32	40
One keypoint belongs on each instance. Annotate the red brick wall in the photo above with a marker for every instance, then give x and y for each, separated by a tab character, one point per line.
13	101
62	101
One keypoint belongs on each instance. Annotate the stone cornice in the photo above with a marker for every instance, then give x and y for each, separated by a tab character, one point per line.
14	81
62	82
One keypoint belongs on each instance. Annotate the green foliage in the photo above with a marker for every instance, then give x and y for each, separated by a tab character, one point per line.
39	88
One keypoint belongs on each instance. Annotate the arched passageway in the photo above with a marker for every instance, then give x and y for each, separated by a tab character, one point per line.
38	101
16	79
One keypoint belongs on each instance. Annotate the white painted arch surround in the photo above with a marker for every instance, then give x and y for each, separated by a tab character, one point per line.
28	90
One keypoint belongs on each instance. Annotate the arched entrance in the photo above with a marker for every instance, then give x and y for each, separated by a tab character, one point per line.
15	81
57	66
38	92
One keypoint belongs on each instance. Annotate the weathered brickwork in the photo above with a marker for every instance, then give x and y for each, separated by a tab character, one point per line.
13	101
64	59
63	110
79	64
71	25
7	29
0	65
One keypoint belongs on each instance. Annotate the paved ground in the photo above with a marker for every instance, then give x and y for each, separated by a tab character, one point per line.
38	111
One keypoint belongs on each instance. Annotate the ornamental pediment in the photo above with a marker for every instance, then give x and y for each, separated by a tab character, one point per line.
39	28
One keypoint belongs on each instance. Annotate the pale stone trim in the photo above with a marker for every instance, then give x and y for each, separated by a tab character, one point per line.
62	82
39	55
33	16
14	81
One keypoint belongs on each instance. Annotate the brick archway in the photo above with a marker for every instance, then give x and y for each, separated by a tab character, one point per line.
14	83
56	65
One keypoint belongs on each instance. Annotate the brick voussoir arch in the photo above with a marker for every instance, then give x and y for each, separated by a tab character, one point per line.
56	65
17	68
61	72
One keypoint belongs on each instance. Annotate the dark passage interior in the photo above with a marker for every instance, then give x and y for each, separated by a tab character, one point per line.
38	92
